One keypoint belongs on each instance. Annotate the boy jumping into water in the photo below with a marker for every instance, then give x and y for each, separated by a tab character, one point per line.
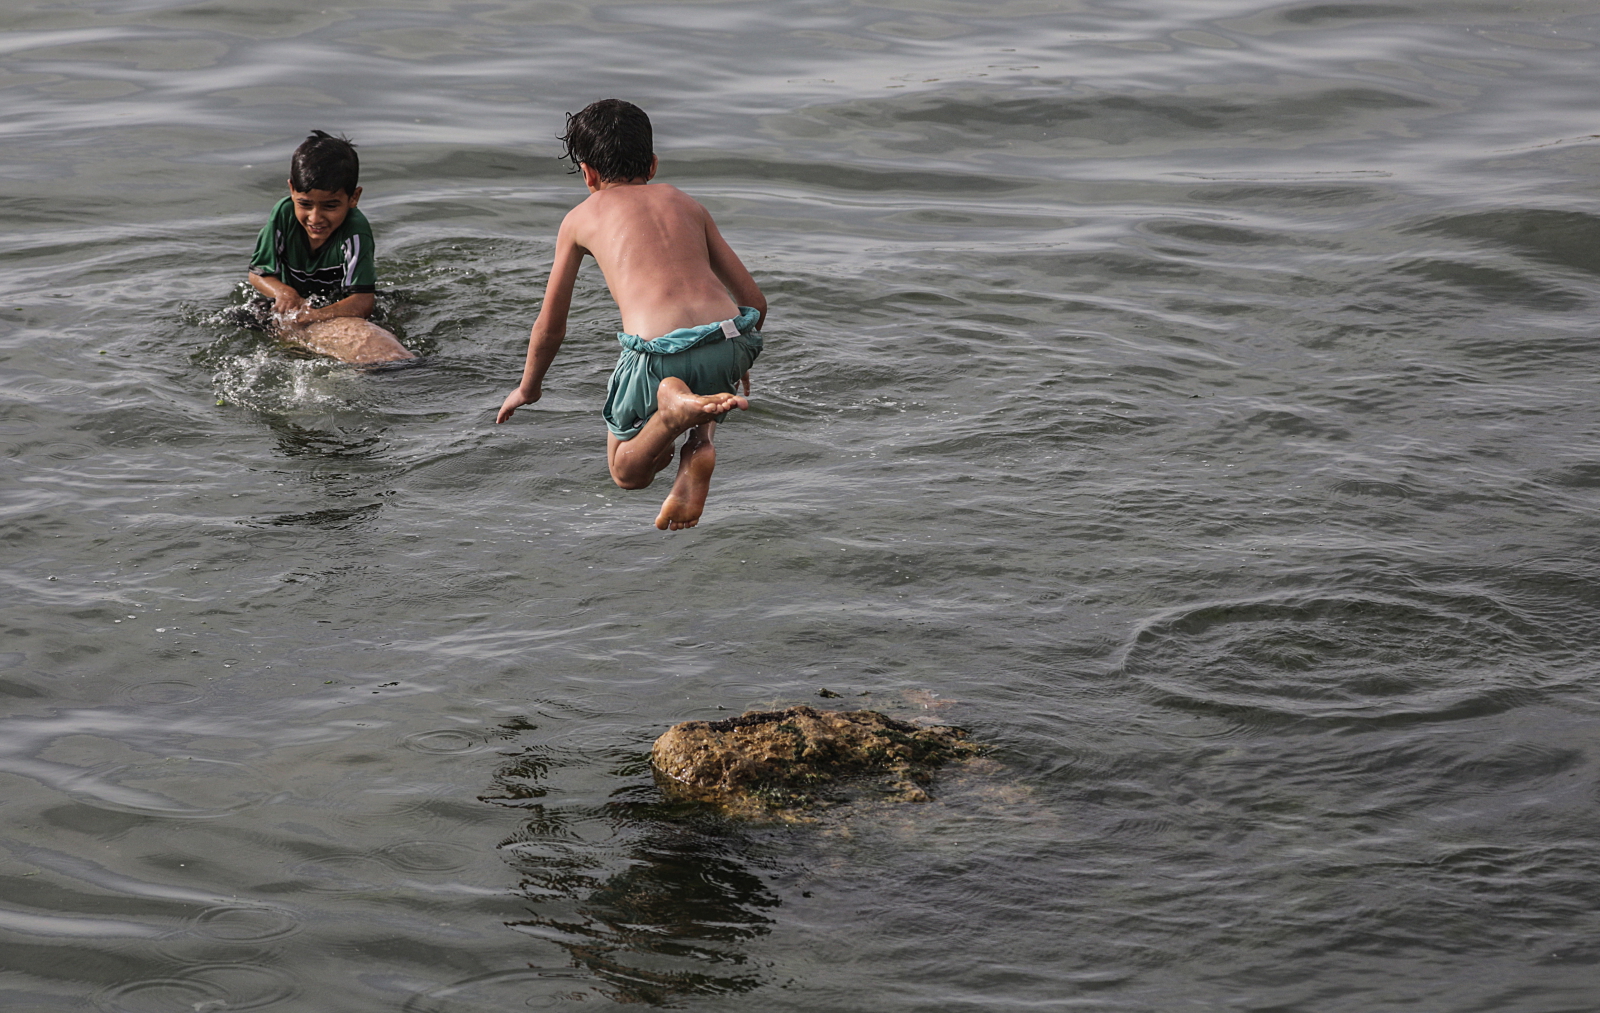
691	312
317	243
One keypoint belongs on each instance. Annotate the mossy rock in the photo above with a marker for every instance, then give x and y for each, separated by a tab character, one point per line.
789	758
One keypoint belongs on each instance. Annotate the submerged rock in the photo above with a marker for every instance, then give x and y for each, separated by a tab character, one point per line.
777	759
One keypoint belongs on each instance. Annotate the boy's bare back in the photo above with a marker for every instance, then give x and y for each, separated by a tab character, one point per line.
665	262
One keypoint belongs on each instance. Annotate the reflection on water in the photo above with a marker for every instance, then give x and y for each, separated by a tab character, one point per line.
655	901
667	927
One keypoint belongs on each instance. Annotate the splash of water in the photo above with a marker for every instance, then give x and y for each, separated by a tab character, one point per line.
270	382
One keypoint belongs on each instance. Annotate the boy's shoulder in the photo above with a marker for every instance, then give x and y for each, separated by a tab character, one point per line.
604	219
634	200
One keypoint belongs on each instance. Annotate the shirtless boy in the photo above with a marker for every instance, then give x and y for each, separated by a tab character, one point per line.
317	243
691	313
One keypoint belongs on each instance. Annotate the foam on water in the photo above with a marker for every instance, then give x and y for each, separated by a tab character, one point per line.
269	381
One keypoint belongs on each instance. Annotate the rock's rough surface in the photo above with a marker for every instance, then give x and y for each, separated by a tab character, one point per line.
785	758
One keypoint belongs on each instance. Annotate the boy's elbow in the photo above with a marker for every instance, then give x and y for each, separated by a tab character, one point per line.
364	303
749	294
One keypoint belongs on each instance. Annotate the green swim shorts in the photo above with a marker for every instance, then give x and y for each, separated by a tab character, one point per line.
709	358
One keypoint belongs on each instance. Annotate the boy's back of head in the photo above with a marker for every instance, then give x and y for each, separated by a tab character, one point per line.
325	162
613	138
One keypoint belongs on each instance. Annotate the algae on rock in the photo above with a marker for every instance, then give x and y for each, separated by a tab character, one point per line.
777	759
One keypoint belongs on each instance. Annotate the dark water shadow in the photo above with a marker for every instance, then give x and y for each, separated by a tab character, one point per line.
658	902
1556	237
333	518
668	928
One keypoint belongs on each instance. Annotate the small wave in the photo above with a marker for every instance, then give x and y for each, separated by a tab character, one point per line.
1339	656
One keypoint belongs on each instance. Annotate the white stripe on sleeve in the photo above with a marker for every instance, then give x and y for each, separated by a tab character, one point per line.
352	254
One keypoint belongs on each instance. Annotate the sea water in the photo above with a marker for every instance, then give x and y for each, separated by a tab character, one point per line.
1196	401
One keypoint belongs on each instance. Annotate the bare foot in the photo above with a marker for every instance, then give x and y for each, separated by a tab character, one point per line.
681	409
687	500
634	463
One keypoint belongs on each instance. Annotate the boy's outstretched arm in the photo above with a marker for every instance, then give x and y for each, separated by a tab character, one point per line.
551	325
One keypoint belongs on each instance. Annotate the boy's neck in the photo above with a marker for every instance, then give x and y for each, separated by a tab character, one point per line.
592	179
612	184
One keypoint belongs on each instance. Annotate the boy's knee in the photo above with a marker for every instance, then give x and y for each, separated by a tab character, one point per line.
632	482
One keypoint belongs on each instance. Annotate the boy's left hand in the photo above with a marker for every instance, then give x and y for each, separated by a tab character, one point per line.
516	399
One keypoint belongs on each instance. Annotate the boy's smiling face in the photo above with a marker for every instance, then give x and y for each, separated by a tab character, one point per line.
321	212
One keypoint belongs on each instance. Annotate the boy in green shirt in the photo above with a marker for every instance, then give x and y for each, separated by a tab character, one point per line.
318	243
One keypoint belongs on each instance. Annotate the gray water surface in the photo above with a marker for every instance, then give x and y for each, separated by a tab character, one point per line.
1196	401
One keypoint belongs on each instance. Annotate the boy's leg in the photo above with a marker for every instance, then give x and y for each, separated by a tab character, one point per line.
634	463
349	339
687	500
656	467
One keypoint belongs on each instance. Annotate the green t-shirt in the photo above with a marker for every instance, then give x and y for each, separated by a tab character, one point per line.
343	265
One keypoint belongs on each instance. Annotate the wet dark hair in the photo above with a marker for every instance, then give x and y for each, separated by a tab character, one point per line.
325	162
612	137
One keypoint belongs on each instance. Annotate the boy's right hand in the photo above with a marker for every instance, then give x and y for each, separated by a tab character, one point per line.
516	399
286	303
